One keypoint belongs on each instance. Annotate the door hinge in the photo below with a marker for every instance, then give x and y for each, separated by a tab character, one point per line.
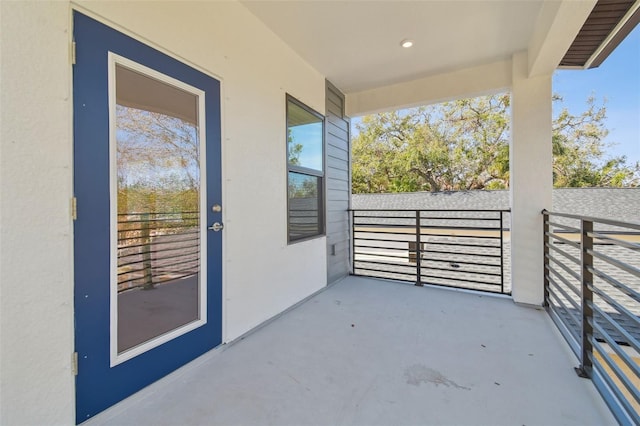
74	363
73	53
74	208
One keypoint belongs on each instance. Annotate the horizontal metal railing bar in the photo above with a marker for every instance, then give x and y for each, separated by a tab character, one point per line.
474	228
183	274
134	279
185	252
627	268
571	229
564	253
169	224
409	229
458	271
161	250
384	240
382	271
446	243
176	269
577	321
156	260
133	225
616	348
194	231
567	296
563	240
572	313
143	262
611	222
181	255
617	306
565	267
429	210
382	248
462	262
460	218
155	268
154	282
463	253
617	393
385	276
410	216
387	225
486	237
617	284
633	390
615	241
134	271
631	341
461	280
162	213
397	244
373	262
164	267
566	282
154	220
385	256
125	234
160	242
564	330
489	287
143	216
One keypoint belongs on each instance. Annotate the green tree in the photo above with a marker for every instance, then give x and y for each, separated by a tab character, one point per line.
464	145
579	151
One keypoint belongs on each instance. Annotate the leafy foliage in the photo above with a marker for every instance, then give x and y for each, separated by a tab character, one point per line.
158	162
464	145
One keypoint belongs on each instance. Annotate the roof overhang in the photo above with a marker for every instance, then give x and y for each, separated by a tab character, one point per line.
461	48
608	24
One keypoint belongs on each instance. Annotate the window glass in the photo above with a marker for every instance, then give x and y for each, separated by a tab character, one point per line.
305	171
304	205
158	208
304	138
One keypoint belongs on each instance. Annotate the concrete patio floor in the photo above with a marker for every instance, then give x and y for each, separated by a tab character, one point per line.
374	352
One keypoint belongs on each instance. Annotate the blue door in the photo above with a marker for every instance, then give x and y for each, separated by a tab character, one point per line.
148	246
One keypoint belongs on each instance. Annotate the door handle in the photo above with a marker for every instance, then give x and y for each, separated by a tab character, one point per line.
217	226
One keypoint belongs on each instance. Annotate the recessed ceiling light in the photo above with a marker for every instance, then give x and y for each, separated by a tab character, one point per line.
406	43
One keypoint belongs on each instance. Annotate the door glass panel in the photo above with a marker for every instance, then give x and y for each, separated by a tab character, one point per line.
158	180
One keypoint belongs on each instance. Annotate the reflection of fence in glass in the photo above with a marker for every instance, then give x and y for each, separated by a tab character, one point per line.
304	218
157	247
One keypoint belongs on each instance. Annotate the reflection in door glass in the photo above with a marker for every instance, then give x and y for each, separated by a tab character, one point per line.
158	208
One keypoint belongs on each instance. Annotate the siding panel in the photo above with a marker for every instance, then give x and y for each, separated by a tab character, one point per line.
338	184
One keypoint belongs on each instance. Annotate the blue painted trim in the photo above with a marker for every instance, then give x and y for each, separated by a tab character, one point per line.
99	386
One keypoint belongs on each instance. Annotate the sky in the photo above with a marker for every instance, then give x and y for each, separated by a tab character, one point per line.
617	80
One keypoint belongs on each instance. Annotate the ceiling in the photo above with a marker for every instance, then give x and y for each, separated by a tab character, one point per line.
356	44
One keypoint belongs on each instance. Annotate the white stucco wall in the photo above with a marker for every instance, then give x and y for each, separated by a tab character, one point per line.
262	276
531	179
36	311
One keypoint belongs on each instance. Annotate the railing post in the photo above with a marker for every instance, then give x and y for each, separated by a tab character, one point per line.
146	251
501	254
586	262
418	251
353	241
545	256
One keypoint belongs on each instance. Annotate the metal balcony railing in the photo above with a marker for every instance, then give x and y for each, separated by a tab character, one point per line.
592	293
157	247
451	248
